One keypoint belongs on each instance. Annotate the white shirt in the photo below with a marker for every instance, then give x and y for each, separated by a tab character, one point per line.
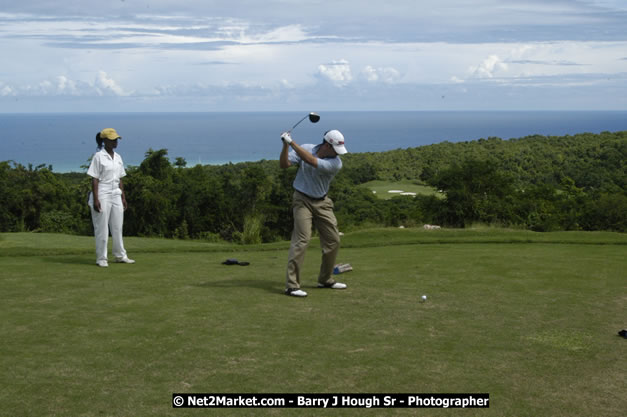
313	181
107	171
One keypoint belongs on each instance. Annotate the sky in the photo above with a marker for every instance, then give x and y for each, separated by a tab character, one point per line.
314	55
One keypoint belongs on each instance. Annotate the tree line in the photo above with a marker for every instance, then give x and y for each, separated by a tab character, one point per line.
576	182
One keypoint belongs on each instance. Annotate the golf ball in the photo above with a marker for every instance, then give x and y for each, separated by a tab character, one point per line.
424	298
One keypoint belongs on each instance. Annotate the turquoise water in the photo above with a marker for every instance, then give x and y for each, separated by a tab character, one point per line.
66	141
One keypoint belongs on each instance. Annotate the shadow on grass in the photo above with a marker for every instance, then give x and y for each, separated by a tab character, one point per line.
267	286
71	260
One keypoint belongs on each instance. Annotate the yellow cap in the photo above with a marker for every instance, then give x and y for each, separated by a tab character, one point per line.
109	133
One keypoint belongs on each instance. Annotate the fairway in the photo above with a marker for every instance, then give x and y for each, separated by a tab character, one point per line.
386	189
529	318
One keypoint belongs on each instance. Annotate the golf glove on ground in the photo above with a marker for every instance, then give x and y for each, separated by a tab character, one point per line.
286	137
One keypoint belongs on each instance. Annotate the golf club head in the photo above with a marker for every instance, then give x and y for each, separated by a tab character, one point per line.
313	118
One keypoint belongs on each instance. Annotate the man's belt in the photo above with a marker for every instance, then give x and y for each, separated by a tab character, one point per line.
312	198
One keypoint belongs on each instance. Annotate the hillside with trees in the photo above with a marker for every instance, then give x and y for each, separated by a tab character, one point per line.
538	183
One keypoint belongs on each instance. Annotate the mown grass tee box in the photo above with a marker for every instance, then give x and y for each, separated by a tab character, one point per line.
529	318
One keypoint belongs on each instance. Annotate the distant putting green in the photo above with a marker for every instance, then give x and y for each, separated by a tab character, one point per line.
529	318
386	190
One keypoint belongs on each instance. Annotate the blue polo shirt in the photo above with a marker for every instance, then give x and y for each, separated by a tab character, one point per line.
314	181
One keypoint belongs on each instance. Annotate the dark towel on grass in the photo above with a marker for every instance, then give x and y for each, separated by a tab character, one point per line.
232	261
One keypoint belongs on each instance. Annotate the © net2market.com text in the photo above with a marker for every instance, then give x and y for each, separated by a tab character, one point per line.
249	400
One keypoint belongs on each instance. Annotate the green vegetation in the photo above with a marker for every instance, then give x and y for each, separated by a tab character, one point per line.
530	318
536	183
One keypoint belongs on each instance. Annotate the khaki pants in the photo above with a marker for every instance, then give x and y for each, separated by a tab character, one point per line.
320	212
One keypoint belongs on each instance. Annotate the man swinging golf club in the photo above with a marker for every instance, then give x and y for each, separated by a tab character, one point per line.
318	165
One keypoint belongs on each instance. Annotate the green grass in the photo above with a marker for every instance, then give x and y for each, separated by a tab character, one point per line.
382	188
529	318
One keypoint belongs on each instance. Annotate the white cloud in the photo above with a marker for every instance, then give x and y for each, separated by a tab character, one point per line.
66	86
338	72
370	74
488	68
61	85
6	90
610	4
106	85
150	31
291	33
387	75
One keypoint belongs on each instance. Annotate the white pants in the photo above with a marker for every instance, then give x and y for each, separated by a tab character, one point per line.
110	218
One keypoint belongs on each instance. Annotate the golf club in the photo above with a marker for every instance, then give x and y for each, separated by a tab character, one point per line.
313	118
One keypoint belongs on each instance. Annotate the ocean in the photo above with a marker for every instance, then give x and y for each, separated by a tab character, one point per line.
66	141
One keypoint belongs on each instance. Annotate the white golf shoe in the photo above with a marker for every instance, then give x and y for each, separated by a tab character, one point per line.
124	260
102	264
295	292
335	286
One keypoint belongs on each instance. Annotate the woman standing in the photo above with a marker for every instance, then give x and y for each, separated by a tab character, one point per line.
107	200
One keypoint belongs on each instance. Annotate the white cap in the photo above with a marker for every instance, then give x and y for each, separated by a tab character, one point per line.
336	139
